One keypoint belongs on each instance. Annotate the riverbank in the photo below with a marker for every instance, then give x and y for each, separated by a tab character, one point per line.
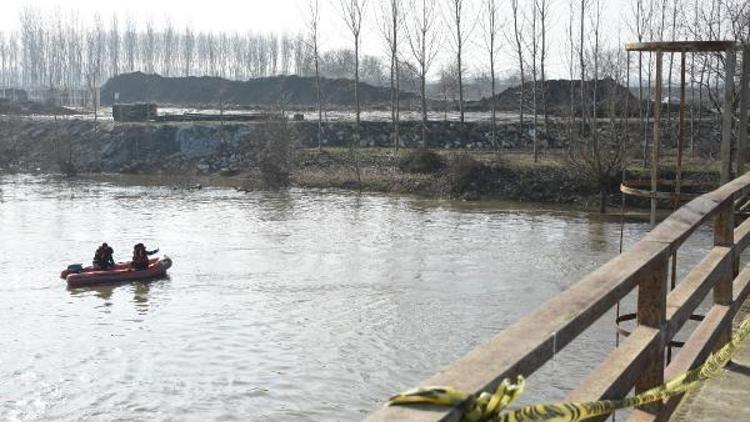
263	156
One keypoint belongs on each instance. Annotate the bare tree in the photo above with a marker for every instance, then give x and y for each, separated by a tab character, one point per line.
3	61
287	47
599	156
313	44
534	74
168	48
595	22
518	36
149	47
392	23
114	47
641	22
571	67
460	35
30	49
353	11
491	30
542	7
582	63
675	6
188	51
449	87
422	40
95	47
131	43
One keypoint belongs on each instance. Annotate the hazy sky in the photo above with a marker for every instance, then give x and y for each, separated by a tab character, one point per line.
289	16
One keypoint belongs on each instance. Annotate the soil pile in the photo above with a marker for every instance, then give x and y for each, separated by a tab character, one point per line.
269	92
610	97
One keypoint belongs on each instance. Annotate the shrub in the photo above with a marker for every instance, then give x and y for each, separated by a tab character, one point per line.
468	175
421	161
275	157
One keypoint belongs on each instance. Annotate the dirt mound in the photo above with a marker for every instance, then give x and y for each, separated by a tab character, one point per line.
260	92
610	96
28	108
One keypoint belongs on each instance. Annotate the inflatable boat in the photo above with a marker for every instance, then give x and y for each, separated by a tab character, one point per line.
120	272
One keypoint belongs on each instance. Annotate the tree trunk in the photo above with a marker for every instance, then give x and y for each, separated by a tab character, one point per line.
356	89
320	100
542	59
493	103
534	81
583	69
395	77
424	107
519	51
459	44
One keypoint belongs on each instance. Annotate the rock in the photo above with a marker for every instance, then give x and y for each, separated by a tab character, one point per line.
229	172
197	141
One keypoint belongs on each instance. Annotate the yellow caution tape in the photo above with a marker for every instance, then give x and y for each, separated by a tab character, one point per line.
486	406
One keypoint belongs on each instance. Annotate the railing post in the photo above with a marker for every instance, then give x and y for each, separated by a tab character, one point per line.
742	128
652	312
724	236
727	119
656	147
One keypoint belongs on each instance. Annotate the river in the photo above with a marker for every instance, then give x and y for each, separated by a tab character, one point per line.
298	305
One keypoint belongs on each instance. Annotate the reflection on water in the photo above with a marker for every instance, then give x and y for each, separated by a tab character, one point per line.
305	305
140	291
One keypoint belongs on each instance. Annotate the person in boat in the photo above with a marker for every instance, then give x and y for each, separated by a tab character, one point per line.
140	256
103	258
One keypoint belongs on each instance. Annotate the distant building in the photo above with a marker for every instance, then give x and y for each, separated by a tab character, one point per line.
141	112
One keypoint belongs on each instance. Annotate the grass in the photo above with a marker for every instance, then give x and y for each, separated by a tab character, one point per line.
525	159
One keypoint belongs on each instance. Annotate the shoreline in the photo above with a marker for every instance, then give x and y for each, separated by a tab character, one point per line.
274	156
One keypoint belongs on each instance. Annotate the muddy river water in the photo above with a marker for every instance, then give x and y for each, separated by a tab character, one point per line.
299	305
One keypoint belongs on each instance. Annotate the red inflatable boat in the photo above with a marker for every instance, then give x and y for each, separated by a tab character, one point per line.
121	272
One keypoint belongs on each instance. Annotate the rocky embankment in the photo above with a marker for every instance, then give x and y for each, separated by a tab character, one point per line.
209	148
276	154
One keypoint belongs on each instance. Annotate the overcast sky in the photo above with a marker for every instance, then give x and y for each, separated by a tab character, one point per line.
289	16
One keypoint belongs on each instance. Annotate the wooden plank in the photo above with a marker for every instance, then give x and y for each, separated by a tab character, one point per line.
742	236
736	188
616	376
727	120
526	345
694	287
682	223
741	289
680	46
